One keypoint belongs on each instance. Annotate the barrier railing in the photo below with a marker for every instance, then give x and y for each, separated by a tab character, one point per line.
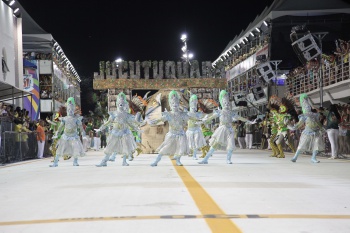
17	147
306	81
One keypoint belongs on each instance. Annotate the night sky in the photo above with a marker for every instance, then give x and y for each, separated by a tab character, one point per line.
92	31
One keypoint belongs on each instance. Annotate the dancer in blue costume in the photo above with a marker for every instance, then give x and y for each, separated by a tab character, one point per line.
175	142
137	136
69	143
311	139
120	140
194	132
223	137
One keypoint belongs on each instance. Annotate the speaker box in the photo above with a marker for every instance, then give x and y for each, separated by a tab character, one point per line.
311	53
238	98
268	76
242	103
263	68
304	43
258	92
265	71
306	48
259	96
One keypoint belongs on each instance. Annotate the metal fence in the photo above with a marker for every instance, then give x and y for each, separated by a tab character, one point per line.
17	147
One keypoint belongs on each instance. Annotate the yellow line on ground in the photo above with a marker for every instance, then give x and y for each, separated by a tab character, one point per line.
206	217
206	204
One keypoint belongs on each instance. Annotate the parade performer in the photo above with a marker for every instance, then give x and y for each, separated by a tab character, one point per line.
207	134
223	137
137	136
273	105
175	142
283	118
62	112
311	139
194	132
89	134
265	131
54	127
69	143
120	140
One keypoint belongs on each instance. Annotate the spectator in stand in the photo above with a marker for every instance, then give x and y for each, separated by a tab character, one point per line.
342	131
9	110
332	121
3	111
241	135
85	139
249	129
347	136
97	138
89	133
103	138
40	130
20	138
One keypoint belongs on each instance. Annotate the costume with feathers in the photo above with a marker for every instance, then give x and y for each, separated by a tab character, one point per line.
311	139
223	137
70	127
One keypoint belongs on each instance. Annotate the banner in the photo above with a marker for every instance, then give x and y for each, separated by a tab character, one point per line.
158	84
31	83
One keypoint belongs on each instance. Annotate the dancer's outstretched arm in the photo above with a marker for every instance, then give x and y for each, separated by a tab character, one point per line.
300	123
208	118
107	123
60	128
80	126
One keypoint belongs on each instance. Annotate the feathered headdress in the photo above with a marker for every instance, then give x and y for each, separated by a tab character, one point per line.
173	96
70	106
274	103
305	104
193	101
223	94
207	105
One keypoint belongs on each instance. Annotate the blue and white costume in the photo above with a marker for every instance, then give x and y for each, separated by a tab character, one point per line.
194	132
311	139
120	139
223	137
175	142
69	143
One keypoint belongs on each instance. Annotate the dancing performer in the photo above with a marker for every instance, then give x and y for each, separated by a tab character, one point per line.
54	125
137	136
194	132
69	143
273	106
175	142
223	137
311	139
266	131
283	118
120	140
207	134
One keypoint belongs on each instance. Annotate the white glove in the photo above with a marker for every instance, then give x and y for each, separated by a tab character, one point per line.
54	137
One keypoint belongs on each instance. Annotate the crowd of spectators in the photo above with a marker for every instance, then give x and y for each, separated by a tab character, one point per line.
19	134
21	130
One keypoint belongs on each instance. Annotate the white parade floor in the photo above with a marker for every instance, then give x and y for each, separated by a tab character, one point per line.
255	194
